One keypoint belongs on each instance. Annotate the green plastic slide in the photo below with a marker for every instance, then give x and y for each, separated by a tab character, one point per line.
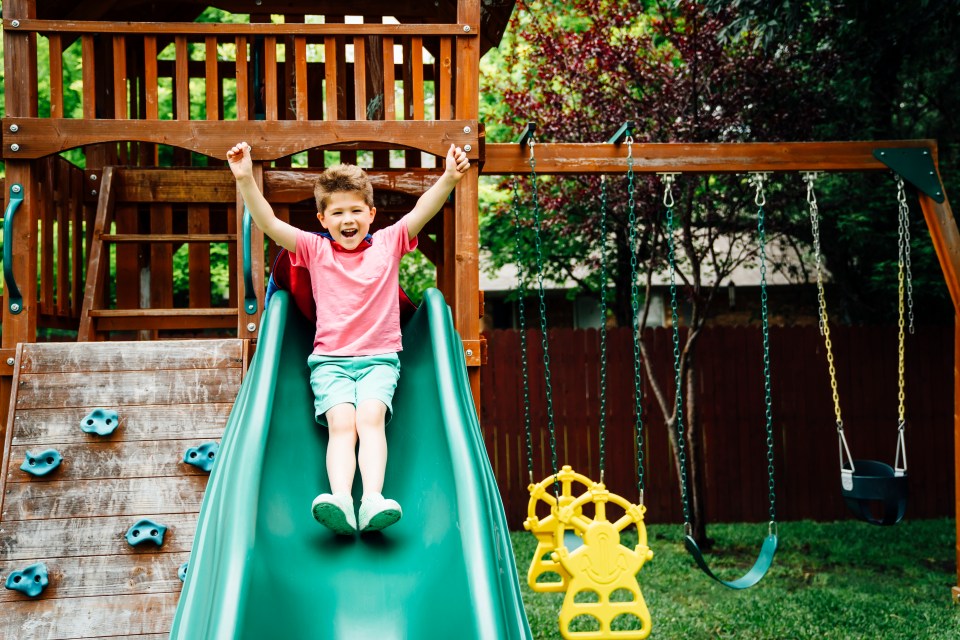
261	567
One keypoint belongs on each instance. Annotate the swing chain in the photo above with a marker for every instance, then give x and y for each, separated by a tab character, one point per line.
904	245
603	322
675	323
635	309
810	178
543	317
522	293
760	199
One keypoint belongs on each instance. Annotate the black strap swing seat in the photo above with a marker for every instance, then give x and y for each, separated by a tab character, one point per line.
875	486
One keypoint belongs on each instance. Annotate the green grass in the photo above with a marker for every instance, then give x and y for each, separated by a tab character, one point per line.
841	580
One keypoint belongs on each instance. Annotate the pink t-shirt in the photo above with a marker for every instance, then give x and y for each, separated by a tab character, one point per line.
358	311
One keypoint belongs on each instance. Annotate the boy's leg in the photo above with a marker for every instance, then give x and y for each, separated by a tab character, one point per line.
335	510
341	449
373	444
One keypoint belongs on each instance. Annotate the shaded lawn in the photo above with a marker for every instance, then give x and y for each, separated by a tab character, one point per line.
839	580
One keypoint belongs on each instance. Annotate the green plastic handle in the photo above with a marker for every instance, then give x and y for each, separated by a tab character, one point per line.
249	295
14	299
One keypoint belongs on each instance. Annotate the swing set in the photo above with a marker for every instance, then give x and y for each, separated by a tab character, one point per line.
584	552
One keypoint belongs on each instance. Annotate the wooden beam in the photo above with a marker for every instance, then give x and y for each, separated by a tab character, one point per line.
97	261
557	158
291	186
270	139
90	27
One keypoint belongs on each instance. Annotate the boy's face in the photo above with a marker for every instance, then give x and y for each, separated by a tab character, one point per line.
347	217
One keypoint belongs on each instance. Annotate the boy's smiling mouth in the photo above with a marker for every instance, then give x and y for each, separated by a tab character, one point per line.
349	233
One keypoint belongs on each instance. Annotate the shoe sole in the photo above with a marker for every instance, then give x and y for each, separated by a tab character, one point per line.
333	518
382	520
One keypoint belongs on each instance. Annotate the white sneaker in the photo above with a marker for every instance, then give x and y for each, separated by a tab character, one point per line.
377	512
335	511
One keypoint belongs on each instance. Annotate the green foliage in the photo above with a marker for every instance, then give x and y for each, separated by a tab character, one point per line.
829	580
417	274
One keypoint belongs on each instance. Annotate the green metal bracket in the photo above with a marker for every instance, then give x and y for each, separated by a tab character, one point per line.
915	165
526	134
624	132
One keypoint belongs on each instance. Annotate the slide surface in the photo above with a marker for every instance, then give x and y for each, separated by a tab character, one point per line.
261	567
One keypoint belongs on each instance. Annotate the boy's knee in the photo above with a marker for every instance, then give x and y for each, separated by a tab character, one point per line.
371	414
342	419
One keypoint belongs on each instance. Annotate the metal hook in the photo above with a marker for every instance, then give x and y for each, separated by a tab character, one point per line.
758	178
668	180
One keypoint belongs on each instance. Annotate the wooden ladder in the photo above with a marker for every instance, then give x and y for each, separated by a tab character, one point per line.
144	297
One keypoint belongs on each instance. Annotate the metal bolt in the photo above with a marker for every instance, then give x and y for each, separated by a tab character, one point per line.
466	129
10	361
14	128
14	147
14	307
93	177
16	188
15	24
467	148
93	192
469	352
466	28
252	326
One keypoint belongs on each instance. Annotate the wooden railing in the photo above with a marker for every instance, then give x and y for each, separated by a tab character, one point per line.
257	80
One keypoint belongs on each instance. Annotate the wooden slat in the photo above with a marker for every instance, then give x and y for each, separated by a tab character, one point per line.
270	76
161	258
87	73
90	617
83	498
117	389
184	185
300	61
126	220
270	139
445	80
46	202
37	428
389	81
212	78
243	81
68	357
330	77
360	78
114	575
26	540
120	77
98	460
169	237
150	77
56	75
198	262
294	186
76	244
62	181
243	29
181	89
416	69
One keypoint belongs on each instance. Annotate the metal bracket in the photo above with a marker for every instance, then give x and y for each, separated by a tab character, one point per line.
915	165
527	133
624	132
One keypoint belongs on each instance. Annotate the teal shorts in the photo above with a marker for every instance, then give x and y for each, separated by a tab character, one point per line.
351	380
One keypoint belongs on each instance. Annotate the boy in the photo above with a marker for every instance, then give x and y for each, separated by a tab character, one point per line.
354	366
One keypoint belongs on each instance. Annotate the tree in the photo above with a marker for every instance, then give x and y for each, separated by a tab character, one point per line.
580	68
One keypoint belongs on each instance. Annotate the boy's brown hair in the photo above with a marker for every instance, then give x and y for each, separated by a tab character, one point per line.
340	178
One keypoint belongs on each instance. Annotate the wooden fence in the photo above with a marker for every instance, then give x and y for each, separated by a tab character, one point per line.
731	404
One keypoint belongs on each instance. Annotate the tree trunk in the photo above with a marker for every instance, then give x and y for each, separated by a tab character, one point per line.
695	480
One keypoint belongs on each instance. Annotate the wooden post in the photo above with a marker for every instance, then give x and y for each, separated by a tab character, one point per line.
946	242
464	263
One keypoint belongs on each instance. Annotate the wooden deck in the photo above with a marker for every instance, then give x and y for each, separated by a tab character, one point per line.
170	395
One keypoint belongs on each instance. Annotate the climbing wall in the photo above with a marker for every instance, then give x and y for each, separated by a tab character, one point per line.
168	397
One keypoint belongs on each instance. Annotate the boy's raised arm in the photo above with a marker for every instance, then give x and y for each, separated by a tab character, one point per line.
279	231
456	166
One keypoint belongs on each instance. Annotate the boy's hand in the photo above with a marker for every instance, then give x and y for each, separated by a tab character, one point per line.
457	163
240	161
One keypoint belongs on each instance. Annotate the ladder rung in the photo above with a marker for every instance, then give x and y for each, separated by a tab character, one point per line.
155	313
164	237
